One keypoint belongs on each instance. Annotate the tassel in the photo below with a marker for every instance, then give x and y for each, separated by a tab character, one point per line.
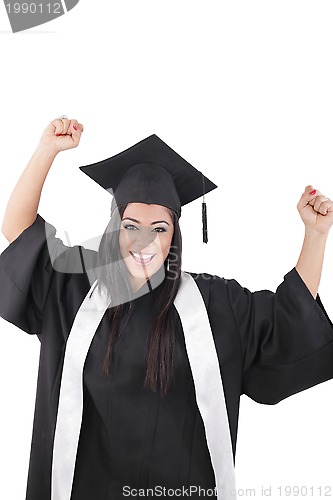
204	213
204	222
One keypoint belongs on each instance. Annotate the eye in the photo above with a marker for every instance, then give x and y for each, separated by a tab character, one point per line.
159	229
130	227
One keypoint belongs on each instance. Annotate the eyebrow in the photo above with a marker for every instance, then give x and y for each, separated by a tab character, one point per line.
138	222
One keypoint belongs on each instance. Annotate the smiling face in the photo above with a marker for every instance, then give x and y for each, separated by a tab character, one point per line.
144	240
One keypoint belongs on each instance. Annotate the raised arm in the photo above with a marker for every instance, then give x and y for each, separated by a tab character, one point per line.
22	207
316	211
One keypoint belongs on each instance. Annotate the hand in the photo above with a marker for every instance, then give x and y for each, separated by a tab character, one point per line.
61	134
316	211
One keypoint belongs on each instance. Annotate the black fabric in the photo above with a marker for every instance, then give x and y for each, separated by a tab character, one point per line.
269	345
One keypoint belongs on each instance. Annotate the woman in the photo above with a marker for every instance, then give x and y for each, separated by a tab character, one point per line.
134	351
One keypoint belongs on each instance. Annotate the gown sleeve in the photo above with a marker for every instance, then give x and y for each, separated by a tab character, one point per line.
28	267
287	339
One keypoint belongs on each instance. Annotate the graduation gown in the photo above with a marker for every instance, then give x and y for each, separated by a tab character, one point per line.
269	346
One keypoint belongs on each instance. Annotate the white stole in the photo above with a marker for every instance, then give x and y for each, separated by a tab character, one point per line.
206	374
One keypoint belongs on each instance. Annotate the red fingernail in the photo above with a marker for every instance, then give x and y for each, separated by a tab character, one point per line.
313	192
74	127
57	135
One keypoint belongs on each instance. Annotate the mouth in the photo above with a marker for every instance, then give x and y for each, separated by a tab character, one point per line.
142	258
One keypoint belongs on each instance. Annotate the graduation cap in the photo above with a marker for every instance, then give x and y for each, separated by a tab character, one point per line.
151	172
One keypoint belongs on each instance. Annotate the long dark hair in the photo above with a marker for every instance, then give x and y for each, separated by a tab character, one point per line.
113	274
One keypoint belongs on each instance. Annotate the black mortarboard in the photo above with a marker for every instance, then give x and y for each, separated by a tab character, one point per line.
153	173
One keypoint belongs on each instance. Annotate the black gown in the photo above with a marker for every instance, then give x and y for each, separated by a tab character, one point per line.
269	346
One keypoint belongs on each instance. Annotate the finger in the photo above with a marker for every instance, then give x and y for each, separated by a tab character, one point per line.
77	129
309	196
65	125
306	196
72	127
318	201
58	126
325	207
308	188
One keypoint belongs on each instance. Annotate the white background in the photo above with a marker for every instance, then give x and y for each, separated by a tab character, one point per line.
242	90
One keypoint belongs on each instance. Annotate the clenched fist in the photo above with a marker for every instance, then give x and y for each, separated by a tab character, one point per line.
316	210
62	134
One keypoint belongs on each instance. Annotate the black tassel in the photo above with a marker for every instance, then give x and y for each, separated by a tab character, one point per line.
204	212
204	222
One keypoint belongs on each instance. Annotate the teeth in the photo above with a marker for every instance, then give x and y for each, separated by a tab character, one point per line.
143	255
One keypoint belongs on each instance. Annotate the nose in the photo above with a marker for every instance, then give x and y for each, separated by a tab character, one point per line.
141	239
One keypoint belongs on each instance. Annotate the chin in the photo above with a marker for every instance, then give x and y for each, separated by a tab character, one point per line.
140	273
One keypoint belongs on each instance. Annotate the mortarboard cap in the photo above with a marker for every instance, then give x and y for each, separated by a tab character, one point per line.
151	172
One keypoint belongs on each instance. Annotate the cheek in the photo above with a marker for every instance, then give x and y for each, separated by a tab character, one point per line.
165	243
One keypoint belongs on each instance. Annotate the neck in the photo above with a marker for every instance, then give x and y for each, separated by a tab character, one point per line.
137	283
146	285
